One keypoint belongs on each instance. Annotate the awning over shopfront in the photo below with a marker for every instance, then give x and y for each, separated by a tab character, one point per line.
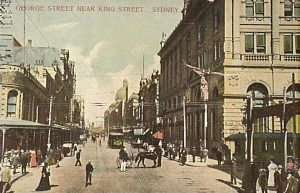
60	127
159	135
261	136
19	123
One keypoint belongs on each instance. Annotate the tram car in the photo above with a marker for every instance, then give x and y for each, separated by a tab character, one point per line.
115	140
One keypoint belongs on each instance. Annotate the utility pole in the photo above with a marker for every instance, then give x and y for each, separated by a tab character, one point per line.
249	129
184	122
284	130
3	129
50	122
294	119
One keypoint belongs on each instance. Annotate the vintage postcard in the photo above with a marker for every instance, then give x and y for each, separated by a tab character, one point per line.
149	96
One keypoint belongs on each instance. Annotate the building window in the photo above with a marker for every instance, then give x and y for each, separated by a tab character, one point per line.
264	146
260	99
12	103
202	60
288	44
201	34
218	50
292	8
249	43
254	8
258	46
188	48
260	43
217	21
291	43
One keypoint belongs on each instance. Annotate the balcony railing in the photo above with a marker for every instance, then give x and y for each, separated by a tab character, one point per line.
256	19
290	58
289	20
256	57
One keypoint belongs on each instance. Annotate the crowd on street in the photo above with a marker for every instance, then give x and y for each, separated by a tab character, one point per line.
264	176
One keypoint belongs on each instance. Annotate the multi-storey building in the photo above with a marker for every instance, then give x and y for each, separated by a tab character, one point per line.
148	103
35	95
244	47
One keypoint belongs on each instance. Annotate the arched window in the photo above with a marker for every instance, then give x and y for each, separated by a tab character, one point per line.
12	103
289	92
259	95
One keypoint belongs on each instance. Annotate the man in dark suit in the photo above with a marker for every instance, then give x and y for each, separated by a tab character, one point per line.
78	158
88	170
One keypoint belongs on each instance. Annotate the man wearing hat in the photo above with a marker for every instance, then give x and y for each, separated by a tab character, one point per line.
5	176
88	170
278	179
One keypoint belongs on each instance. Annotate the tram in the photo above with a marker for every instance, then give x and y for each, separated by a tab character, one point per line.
115	140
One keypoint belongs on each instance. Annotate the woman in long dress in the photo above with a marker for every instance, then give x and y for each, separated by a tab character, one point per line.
44	182
272	168
33	159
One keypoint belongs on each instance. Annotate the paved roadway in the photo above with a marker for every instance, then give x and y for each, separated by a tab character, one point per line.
170	178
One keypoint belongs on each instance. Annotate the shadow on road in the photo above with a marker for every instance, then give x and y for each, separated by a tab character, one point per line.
231	185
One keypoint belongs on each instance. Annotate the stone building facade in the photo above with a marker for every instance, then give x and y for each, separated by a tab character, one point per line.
242	48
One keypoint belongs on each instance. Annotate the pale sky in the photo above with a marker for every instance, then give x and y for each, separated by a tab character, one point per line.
107	46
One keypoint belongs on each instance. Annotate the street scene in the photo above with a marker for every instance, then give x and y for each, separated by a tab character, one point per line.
150	96
106	177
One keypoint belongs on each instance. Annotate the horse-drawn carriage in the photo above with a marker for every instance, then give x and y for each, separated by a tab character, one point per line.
129	161
155	154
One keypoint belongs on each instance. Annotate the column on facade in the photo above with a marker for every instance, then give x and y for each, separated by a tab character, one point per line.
236	29
275	31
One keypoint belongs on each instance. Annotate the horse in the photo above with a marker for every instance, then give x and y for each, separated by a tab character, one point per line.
149	155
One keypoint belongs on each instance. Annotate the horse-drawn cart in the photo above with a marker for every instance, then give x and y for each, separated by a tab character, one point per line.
128	162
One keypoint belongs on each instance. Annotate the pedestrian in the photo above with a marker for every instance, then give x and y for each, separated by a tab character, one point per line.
233	170
173	151
78	158
205	154
194	153
5	176
123	156
33	159
75	149
88	171
201	153
138	143
160	143
24	160
183	156
278	179
263	180
100	141
254	174
44	181
159	156
15	162
219	156
58	156
292	184
271	168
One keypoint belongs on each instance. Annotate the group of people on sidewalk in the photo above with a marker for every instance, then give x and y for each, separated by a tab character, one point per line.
270	177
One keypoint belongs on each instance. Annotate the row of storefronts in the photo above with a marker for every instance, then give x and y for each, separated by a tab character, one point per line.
39	109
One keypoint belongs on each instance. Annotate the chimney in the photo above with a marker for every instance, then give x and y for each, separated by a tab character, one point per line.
185	7
29	43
